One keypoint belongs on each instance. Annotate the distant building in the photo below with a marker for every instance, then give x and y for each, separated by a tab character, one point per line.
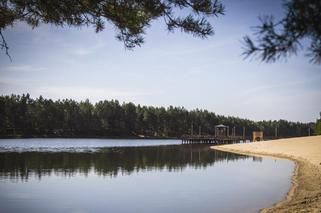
221	131
257	136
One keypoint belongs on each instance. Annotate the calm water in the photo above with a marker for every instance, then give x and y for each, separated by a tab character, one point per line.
52	175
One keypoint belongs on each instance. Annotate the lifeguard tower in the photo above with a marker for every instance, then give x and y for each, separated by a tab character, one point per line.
257	136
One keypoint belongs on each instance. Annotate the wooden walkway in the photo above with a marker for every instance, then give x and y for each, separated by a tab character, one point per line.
211	139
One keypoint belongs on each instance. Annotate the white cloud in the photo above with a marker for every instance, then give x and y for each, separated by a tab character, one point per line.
24	68
81	52
85	50
94	94
277	88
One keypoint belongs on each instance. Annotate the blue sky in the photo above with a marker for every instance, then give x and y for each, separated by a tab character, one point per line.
169	69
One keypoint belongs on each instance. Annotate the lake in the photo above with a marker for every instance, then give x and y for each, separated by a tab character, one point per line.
104	175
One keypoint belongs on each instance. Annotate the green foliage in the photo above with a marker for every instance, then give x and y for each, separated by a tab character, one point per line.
130	17
275	40
318	127
27	117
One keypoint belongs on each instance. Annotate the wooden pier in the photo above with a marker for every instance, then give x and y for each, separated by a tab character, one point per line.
211	139
221	136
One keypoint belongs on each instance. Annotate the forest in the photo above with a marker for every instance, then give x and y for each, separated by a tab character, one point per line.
23	116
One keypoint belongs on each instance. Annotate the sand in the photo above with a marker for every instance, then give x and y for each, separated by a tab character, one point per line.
305	193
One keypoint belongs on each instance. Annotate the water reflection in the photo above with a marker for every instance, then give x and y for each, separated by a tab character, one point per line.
110	161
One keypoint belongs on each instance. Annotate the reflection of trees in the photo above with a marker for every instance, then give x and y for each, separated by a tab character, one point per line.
110	161
257	159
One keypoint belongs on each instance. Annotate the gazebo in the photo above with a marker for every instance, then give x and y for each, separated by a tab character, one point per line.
221	130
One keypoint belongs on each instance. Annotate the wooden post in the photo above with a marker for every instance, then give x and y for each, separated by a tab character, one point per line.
199	130
276	132
192	129
243	133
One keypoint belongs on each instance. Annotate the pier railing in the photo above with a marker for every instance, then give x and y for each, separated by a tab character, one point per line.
211	139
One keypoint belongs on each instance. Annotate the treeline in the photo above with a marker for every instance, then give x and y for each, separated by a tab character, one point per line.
22	116
317	130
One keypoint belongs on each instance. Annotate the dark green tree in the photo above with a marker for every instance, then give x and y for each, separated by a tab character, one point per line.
22	116
130	117
318	126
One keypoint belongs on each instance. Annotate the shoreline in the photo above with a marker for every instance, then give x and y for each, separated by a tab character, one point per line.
304	194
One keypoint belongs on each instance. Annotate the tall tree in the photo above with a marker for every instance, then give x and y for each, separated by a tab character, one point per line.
27	117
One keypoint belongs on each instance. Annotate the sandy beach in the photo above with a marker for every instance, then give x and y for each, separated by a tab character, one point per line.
305	193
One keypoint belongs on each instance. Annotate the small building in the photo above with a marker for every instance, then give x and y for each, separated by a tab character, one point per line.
257	136
221	130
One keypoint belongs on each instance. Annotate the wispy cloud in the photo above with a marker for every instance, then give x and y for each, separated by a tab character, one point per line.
81	51
94	94
182	50
86	50
24	68
255	91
